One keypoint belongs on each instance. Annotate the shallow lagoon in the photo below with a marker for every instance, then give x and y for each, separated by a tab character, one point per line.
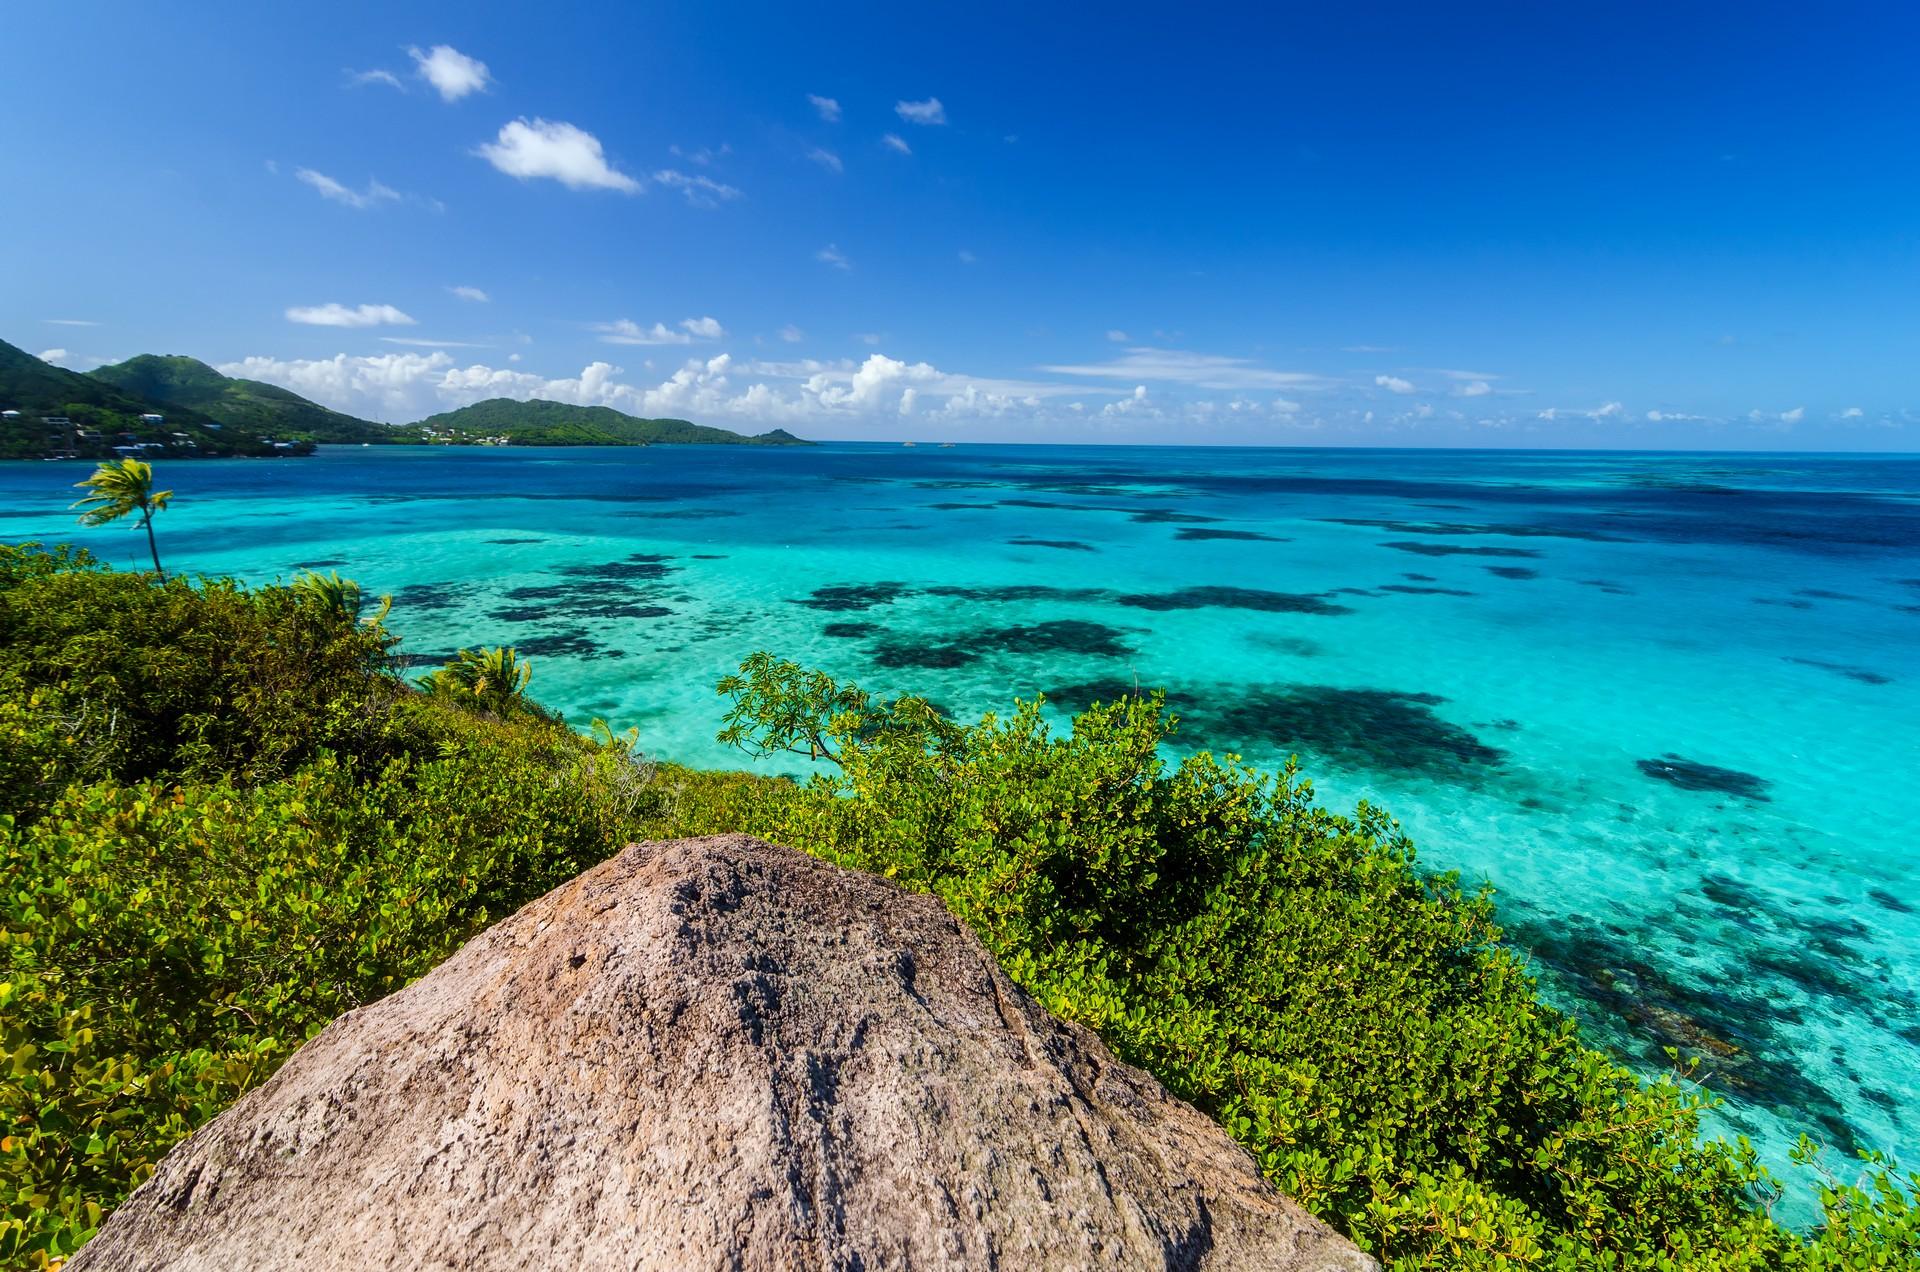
1668	705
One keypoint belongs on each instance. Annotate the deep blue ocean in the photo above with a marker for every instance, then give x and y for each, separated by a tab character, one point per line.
1667	705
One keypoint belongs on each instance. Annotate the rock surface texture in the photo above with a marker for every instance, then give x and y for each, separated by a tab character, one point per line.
712	1054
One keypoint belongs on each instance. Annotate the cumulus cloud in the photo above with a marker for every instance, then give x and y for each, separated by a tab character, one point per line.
1852	413
895	142
452	73
1201	370
832	255
374	195
804	392
1474	388
1671	417
473	294
529	148
1794	416
338	315
826	159
928	112
829	108
792	334
1394	384
1118	336
700	191
54	356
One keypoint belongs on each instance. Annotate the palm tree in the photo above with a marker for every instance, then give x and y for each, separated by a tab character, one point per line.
119	489
340	597
492	678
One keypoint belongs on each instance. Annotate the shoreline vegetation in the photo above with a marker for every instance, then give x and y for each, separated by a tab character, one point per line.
229	815
181	408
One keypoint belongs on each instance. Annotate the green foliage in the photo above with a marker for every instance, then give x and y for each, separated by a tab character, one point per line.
225	819
343	598
491	680
120	489
1354	1022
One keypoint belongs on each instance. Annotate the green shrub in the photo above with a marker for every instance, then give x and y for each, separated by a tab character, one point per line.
1354	1022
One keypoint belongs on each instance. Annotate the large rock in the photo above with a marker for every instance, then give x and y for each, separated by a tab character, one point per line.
712	1054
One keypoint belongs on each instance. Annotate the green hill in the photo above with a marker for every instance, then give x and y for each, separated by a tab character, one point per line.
249	404
101	415
543	423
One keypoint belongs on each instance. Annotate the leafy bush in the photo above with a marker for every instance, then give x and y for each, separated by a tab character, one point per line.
1354	1022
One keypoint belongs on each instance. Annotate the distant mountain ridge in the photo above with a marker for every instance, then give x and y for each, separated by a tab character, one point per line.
540	422
179	381
93	417
203	412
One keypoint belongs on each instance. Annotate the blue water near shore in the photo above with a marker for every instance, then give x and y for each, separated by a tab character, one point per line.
1668	705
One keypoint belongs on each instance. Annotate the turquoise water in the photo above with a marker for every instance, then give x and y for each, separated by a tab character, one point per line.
1669	706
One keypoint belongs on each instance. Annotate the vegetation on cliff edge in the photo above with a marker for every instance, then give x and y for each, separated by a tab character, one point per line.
227	816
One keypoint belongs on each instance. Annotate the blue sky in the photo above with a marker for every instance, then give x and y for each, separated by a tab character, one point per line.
1513	224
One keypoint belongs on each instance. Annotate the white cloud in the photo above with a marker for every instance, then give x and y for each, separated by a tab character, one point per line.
803	393
704	156
792	334
530	148
338	315
1118	336
420	342
628	332
473	294
374	195
1202	370
701	192
1852	413
1394	384
452	73
893	141
54	356
1794	416
1474	388
829	109
832	255
927	112
868	337
70	322
356	79
826	159
1673	417
1368	349
1607	411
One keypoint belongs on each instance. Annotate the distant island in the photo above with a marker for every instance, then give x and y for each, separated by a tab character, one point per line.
182	408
